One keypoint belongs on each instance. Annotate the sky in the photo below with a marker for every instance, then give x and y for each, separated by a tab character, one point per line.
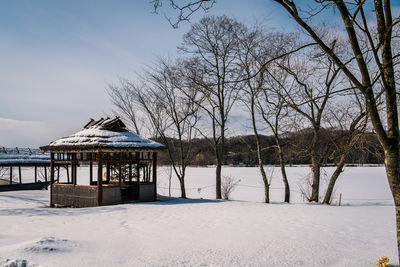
57	57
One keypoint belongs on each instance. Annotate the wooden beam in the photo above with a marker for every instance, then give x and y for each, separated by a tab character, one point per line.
51	178
99	180
67	167
11	175
74	169
120	169
137	156
91	172
108	169
45	175
155	174
19	175
130	168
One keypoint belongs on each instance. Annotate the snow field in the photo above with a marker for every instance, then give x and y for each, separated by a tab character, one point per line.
206	232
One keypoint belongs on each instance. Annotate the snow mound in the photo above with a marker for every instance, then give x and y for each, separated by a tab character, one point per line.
51	245
16	263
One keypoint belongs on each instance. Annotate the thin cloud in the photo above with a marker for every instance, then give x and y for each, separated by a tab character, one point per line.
23	133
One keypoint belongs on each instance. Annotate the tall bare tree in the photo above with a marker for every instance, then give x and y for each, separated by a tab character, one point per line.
276	114
172	114
252	54
213	47
181	114
316	79
258	49
348	122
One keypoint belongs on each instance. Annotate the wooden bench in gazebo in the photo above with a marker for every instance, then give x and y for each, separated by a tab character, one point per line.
126	165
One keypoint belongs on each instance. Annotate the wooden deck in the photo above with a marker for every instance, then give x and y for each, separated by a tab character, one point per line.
6	186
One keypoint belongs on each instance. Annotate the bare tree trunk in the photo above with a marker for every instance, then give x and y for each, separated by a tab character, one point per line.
333	179
392	166
183	190
258	143
218	177
283	171
220	152
316	168
169	181
169	186
263	175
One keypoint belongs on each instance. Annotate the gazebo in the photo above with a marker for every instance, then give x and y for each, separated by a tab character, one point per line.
126	165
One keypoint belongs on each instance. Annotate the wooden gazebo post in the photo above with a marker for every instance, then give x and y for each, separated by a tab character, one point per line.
45	175
100	180
90	172
11	175
155	174
19	175
137	155
74	169
51	178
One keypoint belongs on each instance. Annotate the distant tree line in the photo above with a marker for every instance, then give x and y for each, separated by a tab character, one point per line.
242	150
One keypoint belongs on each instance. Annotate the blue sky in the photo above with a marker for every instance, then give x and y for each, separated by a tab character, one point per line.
58	56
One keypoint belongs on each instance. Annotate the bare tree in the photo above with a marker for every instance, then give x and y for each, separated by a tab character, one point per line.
257	48
277	116
213	47
122	98
316	81
348	122
251	56
172	114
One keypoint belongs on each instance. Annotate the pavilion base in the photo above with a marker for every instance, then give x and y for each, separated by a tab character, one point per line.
80	196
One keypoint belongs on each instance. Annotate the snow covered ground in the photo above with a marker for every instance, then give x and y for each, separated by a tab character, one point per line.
205	232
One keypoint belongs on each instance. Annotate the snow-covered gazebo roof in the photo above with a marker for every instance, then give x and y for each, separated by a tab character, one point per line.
103	135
